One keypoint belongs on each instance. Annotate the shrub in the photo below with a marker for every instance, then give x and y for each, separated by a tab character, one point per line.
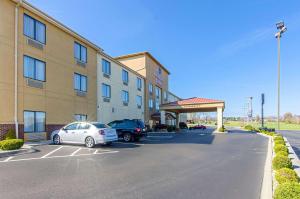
171	128
281	162
248	127
222	129
11	144
283	153
278	137
280	147
279	142
289	190
286	175
11	134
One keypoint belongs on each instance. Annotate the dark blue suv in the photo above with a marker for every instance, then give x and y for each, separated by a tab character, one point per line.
129	130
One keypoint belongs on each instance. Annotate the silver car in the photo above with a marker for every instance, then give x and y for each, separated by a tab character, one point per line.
88	133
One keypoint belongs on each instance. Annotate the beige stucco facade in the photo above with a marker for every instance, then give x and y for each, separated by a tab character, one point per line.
155	74
114	108
57	97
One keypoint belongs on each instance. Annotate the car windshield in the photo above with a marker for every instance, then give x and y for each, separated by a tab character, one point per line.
100	125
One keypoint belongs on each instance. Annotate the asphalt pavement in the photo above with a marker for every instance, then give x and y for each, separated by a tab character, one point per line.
190	165
294	139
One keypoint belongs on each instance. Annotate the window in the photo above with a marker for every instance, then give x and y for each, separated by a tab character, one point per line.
80	117
73	126
34	121
150	103
34	68
157	105
139	83
105	91
125	96
157	92
34	29
106	67
139	100
150	88
125	76
80	52
80	82
159	71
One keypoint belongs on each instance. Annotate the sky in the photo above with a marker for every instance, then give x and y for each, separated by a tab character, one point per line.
214	49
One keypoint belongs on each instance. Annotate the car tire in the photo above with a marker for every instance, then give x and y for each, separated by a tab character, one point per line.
56	139
89	142
127	137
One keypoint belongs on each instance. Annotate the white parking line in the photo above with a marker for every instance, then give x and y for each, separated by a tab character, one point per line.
7	159
95	151
52	152
63	156
75	152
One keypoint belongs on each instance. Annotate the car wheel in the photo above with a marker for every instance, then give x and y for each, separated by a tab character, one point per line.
127	137
89	142
56	139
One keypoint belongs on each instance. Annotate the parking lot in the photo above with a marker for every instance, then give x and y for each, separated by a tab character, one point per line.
195	164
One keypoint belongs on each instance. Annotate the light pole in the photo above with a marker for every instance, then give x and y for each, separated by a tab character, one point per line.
281	29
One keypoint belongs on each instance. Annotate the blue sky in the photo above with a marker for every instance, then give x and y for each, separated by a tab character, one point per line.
214	49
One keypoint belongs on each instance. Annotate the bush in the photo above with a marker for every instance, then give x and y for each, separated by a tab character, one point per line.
278	137
11	144
283	153
280	147
281	162
286	175
279	142
11	134
249	127
171	128
289	190
222	129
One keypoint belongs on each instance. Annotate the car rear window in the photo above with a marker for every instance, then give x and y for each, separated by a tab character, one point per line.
100	125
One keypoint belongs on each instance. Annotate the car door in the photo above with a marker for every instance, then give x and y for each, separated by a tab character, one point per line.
68	132
81	132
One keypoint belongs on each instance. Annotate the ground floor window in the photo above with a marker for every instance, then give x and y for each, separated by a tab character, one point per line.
34	121
80	117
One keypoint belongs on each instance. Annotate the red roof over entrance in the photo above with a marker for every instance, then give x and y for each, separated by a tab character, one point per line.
193	100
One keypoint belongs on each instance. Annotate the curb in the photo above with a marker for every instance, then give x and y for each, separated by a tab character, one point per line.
38	143
267	182
294	158
25	149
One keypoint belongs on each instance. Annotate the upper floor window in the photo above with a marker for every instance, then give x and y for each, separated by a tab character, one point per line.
80	117
34	29
139	100
34	68
34	121
106	91
157	92
150	103
150	88
125	76
139	83
106	67
125	96
80	52
159	70
80	82
157	105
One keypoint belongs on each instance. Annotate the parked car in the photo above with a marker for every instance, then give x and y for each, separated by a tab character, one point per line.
202	127
88	133
129	130
183	125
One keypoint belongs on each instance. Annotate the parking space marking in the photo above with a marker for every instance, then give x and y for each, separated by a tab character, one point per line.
51	152
160	136
75	152
7	159
63	156
95	151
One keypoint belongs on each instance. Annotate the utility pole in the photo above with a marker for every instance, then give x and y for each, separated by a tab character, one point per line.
250	110
262	109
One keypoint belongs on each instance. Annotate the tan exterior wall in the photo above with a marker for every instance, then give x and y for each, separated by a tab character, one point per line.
147	67
115	109
57	98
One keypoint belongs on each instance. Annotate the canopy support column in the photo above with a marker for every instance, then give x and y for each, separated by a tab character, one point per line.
162	117
219	117
177	120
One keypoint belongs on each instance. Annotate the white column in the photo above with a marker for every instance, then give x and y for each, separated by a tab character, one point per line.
177	120
219	117
162	117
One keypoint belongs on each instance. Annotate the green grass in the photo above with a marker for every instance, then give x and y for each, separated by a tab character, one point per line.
283	126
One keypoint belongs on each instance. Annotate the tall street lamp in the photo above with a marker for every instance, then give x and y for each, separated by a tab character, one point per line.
281	29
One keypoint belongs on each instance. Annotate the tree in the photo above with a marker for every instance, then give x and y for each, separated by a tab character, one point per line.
288	117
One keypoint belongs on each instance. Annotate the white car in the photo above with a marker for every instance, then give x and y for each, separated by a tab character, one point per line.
88	133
